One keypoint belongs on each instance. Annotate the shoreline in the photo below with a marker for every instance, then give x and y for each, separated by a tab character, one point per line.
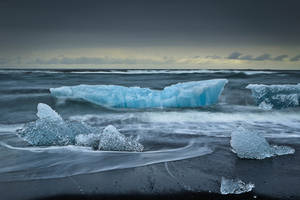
183	195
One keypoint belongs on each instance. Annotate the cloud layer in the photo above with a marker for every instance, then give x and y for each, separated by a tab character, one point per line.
95	61
266	56
296	58
233	60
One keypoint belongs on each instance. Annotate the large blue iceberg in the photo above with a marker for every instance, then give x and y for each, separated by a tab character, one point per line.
51	130
275	96
188	94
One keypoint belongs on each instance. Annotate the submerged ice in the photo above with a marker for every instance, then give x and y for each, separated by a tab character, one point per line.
51	130
235	186
275	96
251	145
188	94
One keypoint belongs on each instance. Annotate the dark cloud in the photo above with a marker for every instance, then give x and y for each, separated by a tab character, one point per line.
234	55
280	58
246	57
263	57
94	23
296	58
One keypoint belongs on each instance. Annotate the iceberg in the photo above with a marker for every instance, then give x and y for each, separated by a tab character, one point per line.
188	94
275	96
51	130
235	186
251	145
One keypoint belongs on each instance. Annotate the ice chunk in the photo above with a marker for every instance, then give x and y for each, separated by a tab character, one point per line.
109	140
89	140
251	145
276	96
188	94
264	106
51	130
46	112
235	186
112	139
45	132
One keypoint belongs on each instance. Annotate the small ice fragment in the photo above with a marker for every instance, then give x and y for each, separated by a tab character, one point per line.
251	145
235	186
112	140
282	150
46	112
264	106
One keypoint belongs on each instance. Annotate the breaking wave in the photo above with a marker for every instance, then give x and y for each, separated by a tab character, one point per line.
201	71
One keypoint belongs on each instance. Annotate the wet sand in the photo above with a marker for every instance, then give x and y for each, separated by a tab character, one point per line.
197	178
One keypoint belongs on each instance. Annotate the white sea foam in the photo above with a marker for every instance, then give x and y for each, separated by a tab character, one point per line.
200	71
203	71
73	160
11	128
219	124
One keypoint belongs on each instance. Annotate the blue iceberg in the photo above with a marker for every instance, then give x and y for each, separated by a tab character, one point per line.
188	94
275	96
51	130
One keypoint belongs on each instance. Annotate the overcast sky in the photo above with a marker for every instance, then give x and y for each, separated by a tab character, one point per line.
208	34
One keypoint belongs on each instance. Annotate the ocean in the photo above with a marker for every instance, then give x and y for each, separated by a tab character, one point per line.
185	149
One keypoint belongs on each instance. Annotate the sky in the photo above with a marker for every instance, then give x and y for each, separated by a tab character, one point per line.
185	34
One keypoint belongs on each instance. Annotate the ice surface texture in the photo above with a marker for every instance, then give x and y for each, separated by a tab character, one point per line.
110	138
188	94
251	145
51	130
275	96
235	186
46	112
